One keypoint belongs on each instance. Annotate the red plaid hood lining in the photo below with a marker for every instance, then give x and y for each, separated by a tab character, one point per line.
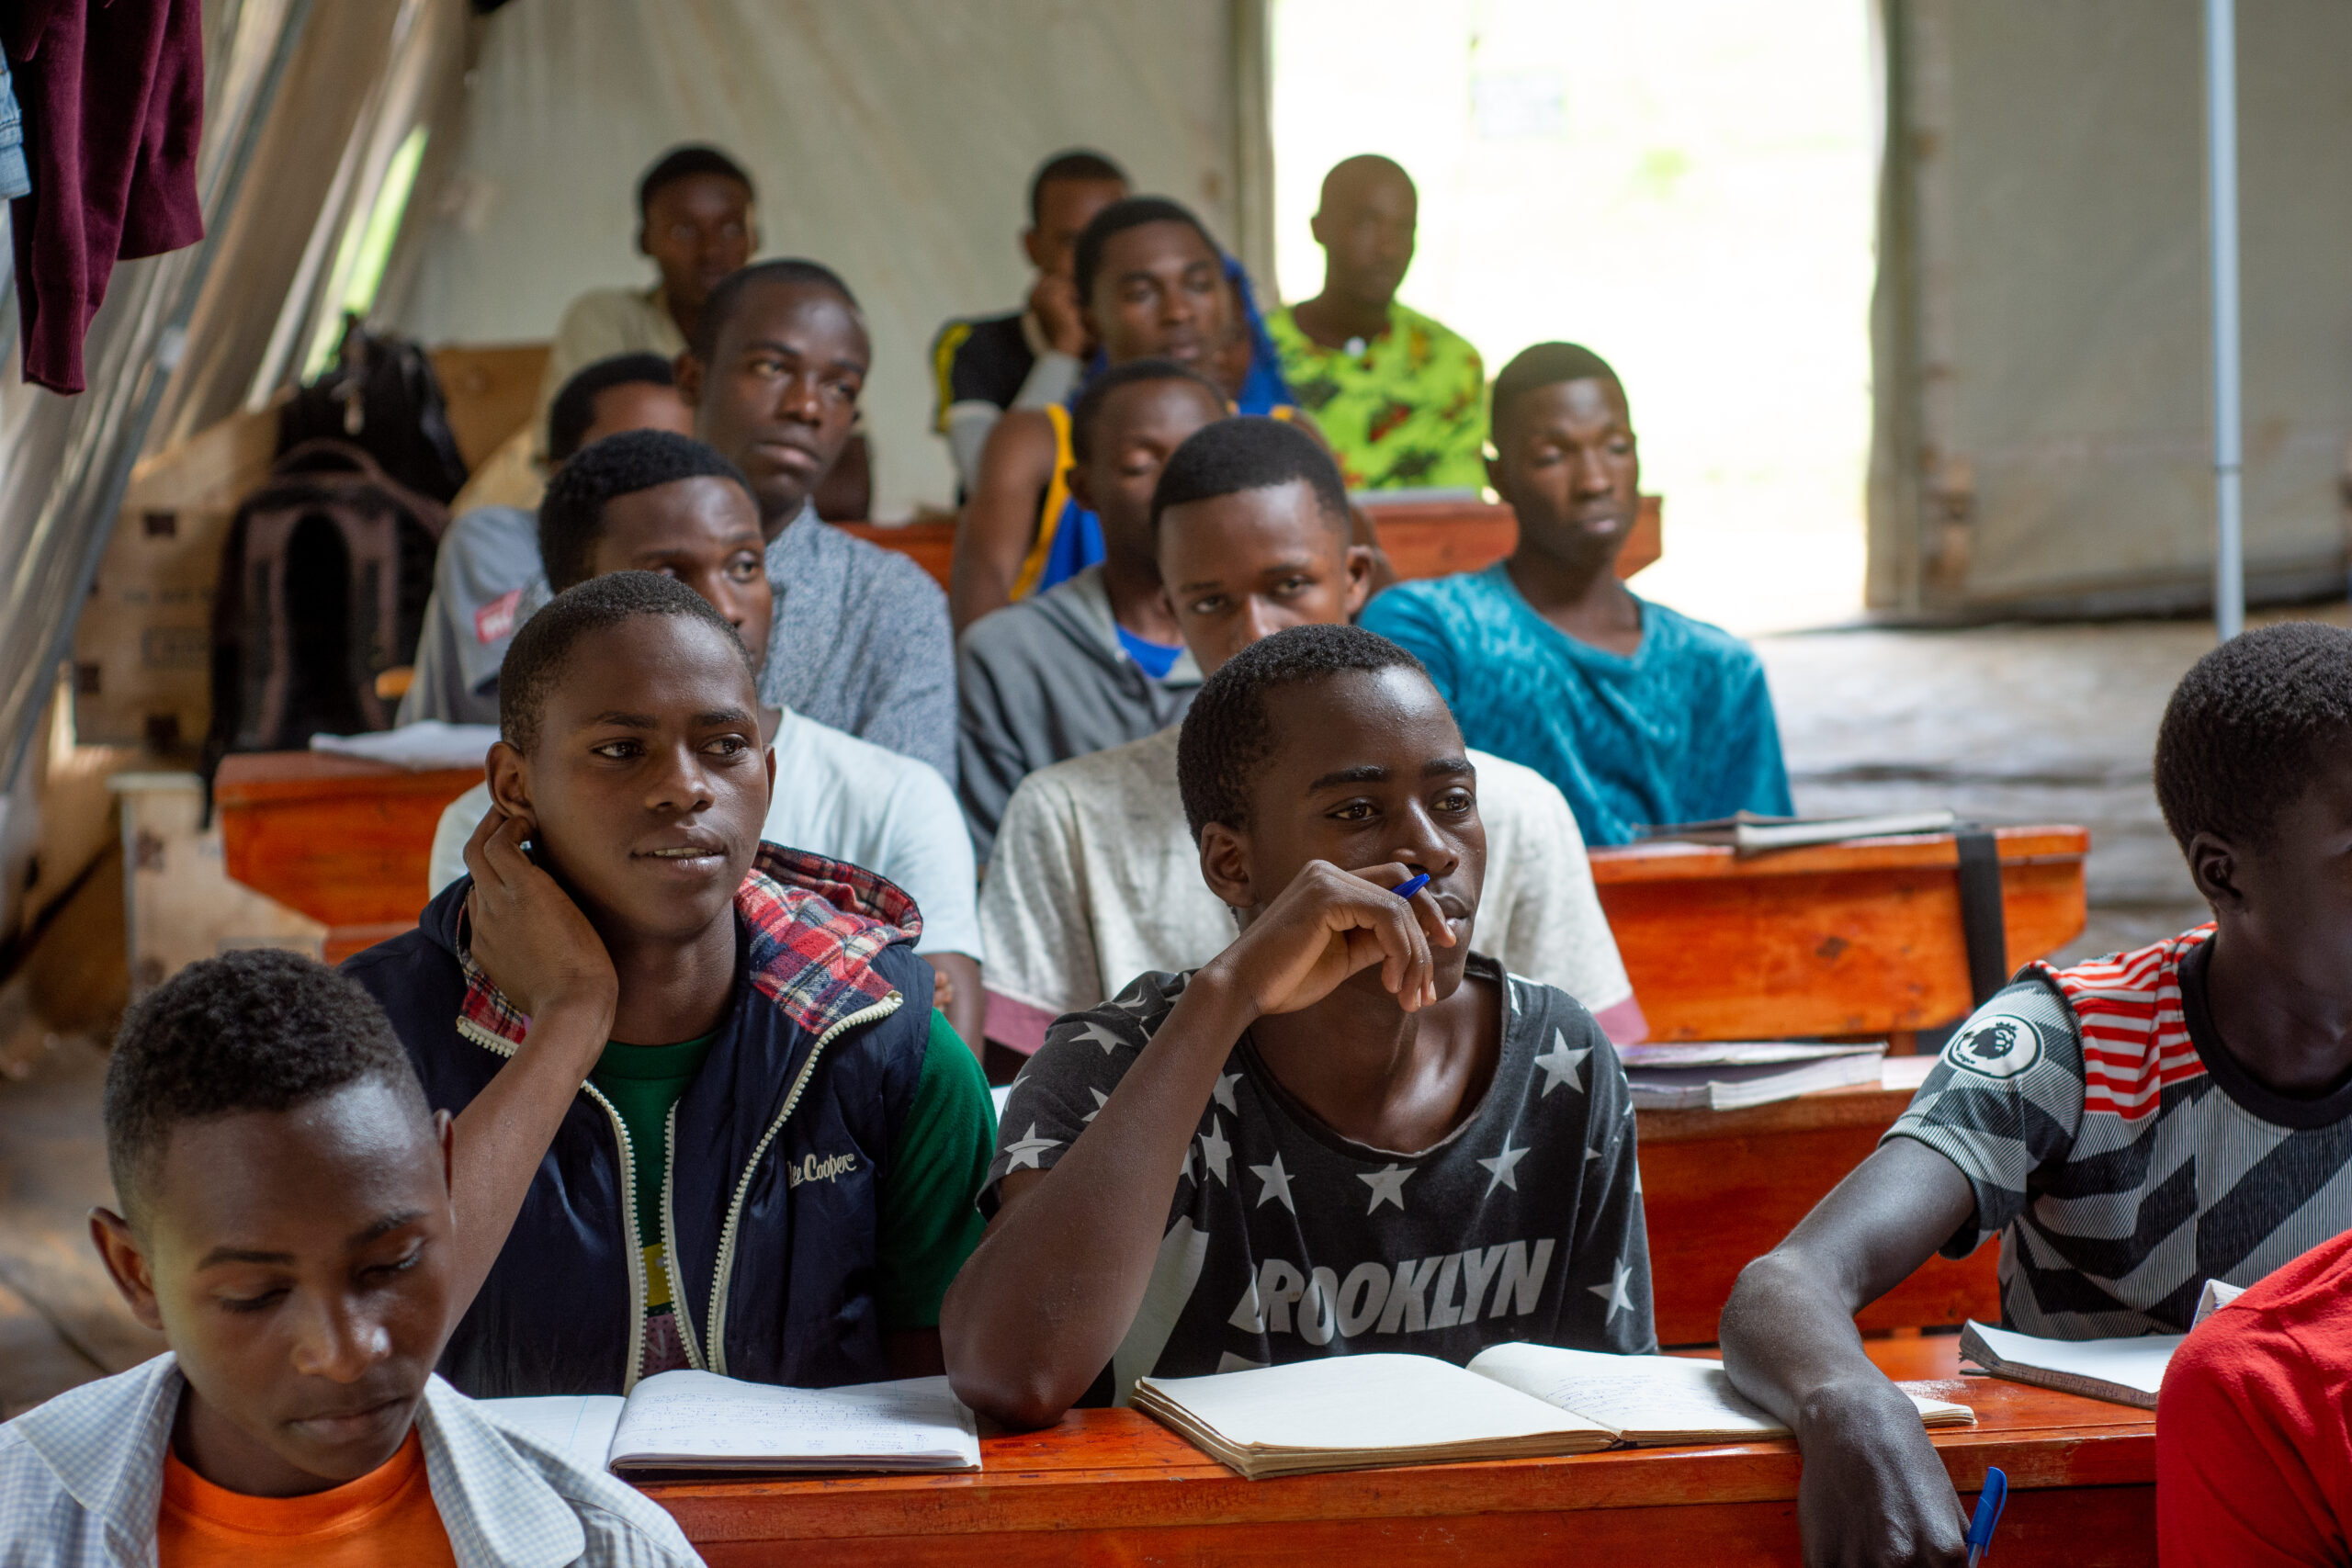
815	927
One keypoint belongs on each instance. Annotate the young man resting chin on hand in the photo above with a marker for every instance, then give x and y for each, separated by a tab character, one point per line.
1345	1133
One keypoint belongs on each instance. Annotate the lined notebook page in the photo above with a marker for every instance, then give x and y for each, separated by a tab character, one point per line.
1357	1402
578	1425
1641	1394
687	1415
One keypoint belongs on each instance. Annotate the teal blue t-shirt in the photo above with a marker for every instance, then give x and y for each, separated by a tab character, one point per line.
1680	731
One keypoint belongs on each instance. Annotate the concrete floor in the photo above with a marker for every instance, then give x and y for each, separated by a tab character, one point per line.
2009	724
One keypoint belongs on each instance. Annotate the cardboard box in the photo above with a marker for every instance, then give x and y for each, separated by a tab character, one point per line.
142	649
182	904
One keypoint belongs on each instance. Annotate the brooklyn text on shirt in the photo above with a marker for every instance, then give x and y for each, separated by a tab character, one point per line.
1415	1296
812	1169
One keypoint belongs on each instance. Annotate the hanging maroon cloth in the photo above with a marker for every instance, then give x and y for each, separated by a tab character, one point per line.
113	98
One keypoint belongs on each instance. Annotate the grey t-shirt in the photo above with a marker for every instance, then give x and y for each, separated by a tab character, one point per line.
1286	1241
486	559
860	641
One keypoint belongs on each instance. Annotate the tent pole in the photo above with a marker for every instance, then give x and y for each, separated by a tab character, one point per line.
2221	186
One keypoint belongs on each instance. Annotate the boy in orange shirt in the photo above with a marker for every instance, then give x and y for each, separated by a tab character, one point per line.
287	1225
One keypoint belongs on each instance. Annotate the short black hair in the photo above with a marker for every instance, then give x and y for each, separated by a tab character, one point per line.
574	408
258	1029
719	308
1088	407
1546	364
534	660
1250	452
1129	212
2243	735
683	163
1078	164
1227	736
571	513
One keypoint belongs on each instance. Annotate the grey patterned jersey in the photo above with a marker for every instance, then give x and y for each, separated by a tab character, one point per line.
2120	1151
1286	1241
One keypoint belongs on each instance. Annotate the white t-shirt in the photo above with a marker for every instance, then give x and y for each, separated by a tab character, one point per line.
1095	880
841	797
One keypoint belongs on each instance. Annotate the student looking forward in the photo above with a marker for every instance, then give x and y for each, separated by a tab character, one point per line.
1639	715
1095	660
1400	398
1095	879
860	639
1153	284
652	1021
1343	1132
1032	358
653	502
2129	1127
287	1224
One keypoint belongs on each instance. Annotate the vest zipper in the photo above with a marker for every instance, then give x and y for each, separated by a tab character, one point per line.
680	1311
716	1340
492	1042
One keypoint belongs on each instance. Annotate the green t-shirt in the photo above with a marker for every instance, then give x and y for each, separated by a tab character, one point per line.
931	1214
1407	412
929	1222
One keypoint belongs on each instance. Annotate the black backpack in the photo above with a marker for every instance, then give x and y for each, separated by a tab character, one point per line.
383	398
323	583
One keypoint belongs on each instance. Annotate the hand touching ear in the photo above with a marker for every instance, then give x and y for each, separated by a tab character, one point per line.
528	934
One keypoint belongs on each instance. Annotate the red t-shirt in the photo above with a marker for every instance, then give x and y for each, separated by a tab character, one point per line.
2254	1428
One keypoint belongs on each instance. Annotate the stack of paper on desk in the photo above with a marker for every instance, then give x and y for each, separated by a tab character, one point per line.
2125	1371
1511	1402
1752	834
688	1421
1732	1075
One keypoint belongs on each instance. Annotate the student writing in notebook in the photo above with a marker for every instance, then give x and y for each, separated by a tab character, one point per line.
1095	878
706	1114
284	1219
1346	1132
1095	660
2129	1127
654	501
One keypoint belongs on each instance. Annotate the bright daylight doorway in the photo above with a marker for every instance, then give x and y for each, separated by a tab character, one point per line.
1685	186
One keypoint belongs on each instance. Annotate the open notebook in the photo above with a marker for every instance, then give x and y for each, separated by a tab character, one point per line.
690	1421
1511	1402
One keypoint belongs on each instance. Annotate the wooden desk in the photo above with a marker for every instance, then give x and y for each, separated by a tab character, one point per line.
1423	538
1856	939
344	840
1720	1187
1113	1486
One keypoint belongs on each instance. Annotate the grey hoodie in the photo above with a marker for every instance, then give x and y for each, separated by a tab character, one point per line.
1044	680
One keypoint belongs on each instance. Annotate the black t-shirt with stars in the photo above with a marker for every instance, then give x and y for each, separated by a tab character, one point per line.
1287	1241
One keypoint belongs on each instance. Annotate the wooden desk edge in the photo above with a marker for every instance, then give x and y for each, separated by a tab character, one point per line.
2046	845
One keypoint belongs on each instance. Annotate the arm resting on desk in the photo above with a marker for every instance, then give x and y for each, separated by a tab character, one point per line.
1872	1491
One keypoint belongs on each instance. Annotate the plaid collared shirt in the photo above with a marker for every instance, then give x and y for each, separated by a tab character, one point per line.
82	1475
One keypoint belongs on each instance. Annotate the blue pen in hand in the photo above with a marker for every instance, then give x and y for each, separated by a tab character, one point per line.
1406	889
1988	1513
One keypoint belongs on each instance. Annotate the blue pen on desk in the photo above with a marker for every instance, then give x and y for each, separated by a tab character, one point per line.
1988	1513
1406	889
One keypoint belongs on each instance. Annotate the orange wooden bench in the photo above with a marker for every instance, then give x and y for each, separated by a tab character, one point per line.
1721	1188
1862	938
1113	1486
1423	538
346	841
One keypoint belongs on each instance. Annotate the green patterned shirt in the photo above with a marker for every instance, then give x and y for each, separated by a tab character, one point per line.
1410	412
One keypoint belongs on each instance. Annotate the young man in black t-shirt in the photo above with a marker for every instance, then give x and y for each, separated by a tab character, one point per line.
981	366
1345	1132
